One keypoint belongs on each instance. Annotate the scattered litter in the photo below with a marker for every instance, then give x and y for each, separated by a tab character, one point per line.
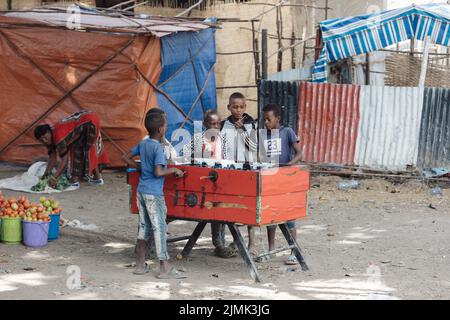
436	191
347	275
179	257
386	261
330	234
347	185
435	172
29	269
215	275
4	271
58	293
398	264
130	265
291	269
80	225
431	206
62	221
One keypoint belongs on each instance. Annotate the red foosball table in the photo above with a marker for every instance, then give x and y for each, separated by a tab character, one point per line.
253	197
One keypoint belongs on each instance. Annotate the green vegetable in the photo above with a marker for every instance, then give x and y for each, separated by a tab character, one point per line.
62	183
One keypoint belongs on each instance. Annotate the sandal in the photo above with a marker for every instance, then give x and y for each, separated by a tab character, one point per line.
232	247
172	274
262	259
225	252
141	269
291	260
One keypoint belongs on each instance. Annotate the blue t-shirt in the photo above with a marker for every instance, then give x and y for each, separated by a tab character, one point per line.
281	146
151	152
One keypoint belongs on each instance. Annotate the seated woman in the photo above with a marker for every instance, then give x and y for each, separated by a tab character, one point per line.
77	143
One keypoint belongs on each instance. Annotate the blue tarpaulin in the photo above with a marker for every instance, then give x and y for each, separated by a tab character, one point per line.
188	60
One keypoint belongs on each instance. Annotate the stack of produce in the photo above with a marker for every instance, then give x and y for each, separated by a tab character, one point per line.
3	201
51	206
24	208
13	208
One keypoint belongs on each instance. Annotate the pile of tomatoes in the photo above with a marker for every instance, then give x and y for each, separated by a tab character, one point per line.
22	208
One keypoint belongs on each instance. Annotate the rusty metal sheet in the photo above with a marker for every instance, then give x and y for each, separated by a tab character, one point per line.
434	141
388	133
328	122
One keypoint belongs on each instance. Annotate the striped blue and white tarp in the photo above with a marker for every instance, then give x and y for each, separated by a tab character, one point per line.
347	37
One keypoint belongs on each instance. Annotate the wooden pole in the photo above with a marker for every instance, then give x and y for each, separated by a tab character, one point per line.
423	68
255	53
257	61
367	69
265	60
293	50
381	175
9	4
318	44
264	54
188	10
121	4
280	44
447	51
304	53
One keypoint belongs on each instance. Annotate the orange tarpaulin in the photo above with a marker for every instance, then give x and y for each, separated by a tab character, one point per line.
39	66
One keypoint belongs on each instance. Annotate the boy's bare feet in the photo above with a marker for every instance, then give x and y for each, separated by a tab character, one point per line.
141	269
141	266
166	271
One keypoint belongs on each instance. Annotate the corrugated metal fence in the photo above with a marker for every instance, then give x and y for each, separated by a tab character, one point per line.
392	128
328	122
389	128
434	142
283	93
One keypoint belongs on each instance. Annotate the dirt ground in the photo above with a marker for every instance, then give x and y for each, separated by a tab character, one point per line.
382	241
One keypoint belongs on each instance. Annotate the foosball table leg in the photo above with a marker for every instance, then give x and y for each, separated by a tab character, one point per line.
192	240
291	241
239	241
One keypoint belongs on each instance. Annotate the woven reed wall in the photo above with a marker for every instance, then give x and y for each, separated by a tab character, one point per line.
404	71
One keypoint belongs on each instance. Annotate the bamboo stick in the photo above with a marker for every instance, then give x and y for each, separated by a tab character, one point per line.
354	174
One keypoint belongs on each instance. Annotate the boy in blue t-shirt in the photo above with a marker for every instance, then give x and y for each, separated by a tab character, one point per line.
286	147
150	196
